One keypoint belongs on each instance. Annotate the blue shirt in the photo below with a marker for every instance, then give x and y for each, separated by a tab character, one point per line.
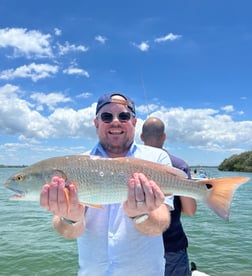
110	244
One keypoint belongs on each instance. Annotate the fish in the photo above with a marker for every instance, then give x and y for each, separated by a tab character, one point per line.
101	181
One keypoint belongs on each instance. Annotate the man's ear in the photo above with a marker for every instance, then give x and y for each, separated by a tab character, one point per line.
163	136
96	123
134	121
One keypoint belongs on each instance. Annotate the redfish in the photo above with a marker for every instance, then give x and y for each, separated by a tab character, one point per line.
104	181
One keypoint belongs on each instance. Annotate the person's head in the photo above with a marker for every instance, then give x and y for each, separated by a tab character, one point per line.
153	132
115	123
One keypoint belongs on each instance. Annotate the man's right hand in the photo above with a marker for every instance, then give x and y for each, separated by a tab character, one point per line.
61	201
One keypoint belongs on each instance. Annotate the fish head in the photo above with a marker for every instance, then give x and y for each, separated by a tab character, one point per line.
27	183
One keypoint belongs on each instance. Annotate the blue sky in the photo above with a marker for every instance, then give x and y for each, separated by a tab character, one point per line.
187	62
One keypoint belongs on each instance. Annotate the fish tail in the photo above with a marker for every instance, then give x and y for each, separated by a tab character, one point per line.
221	192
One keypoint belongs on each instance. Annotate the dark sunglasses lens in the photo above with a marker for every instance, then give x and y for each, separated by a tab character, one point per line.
124	116
107	117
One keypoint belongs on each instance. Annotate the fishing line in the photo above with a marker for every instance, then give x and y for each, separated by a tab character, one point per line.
145	97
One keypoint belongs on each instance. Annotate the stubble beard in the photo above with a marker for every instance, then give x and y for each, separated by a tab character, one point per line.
116	150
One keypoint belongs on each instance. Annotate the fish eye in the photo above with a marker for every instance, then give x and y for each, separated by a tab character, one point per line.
20	177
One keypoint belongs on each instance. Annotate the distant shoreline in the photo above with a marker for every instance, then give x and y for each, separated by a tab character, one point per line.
12	166
23	166
202	166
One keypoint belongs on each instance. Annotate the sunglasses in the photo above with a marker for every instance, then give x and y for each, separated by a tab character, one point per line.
108	117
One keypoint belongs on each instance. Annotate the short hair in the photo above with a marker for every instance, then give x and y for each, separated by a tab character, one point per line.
153	127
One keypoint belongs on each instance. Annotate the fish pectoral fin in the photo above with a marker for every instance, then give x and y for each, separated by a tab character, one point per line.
92	205
168	194
66	192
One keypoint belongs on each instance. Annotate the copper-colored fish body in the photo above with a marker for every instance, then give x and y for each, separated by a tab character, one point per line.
104	180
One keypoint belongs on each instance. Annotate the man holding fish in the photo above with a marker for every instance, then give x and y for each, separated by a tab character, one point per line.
116	205
116	239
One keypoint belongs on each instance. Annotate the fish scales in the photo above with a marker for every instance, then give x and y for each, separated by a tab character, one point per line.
104	180
109	177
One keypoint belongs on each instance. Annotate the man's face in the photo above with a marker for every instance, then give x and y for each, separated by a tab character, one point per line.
116	136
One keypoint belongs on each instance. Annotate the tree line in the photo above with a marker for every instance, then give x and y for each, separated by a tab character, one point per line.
237	162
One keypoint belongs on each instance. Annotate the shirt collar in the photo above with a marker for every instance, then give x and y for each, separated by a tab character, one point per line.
99	151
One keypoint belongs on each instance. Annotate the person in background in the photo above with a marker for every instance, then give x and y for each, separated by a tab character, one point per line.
118	239
174	238
202	174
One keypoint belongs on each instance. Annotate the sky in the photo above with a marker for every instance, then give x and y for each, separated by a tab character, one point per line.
186	62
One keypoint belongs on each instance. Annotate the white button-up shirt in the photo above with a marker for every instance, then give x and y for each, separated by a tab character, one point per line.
110	244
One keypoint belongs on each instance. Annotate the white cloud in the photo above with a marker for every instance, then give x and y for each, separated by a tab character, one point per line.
67	47
101	39
68	122
26	43
51	100
57	31
17	117
33	71
147	109
84	95
168	37
143	46
76	71
228	108
8	89
206	129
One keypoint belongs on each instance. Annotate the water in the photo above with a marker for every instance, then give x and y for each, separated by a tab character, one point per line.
29	246
219	247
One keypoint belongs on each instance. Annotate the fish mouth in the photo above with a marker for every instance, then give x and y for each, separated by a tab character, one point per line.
18	193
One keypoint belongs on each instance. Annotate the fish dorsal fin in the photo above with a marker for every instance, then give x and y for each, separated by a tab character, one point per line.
174	171
179	172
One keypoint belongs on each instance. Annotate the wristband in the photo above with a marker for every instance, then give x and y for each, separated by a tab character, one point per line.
140	218
68	221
